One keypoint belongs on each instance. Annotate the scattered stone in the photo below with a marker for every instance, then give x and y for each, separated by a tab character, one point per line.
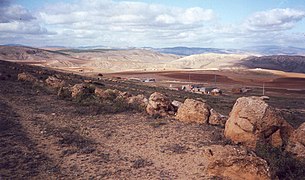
81	89
55	82
138	99
217	118
233	162
108	94
252	120
176	105
159	104
124	95
27	77
296	144
193	111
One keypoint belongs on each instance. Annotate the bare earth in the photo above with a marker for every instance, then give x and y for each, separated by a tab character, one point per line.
42	136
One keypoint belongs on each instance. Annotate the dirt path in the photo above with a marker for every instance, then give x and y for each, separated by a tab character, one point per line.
45	137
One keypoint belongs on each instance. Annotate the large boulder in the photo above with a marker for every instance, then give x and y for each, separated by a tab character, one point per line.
55	82
138	99
159	104
27	77
193	111
252	120
217	119
296	144
79	90
233	162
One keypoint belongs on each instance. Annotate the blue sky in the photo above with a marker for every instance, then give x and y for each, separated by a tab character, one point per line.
153	23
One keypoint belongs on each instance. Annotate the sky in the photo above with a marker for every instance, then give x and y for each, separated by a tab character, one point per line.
153	23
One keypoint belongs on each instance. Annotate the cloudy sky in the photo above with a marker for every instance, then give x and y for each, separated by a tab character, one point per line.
153	23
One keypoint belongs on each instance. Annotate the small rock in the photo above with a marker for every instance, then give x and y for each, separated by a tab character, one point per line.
81	89
217	119
27	77
193	111
55	82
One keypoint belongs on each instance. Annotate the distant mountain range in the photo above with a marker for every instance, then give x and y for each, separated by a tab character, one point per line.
187	51
262	50
115	60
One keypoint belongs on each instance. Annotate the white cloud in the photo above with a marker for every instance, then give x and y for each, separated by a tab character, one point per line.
274	20
14	13
122	23
22	28
16	20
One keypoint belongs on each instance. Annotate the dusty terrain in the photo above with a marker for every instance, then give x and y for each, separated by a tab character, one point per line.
43	136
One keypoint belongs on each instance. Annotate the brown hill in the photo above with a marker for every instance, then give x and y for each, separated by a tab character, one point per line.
280	62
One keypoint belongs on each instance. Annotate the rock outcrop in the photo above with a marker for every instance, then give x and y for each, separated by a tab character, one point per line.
138	99
81	89
193	111
233	162
252	120
55	82
27	77
159	104
108	94
296	144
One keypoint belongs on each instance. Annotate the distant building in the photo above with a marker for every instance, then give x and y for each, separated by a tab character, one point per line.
149	80
200	89
216	92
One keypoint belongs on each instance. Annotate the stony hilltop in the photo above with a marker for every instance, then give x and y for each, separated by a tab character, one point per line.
63	125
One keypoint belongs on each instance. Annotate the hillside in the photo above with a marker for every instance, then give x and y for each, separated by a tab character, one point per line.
207	61
116	60
122	60
280	62
95	59
48	135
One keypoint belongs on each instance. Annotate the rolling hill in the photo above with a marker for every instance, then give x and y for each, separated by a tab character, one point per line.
116	60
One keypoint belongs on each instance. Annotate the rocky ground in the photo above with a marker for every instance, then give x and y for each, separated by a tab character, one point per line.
43	135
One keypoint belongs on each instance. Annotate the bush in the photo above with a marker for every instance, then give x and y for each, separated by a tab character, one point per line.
282	164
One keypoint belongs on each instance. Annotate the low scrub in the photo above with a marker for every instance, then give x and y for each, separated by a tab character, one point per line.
282	164
91	104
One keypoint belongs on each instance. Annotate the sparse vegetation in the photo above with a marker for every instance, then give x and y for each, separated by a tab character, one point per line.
96	134
283	164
